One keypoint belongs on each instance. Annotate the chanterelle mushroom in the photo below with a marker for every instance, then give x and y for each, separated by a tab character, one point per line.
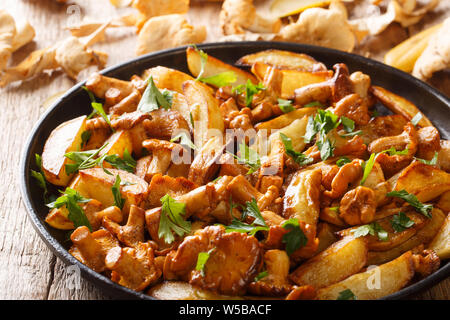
323	27
7	33
168	31
239	16
148	9
234	259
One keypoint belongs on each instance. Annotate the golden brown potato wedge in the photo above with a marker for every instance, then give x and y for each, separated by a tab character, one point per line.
441	242
282	60
205	111
167	78
394	238
302	196
424	235
374	283
326	235
64	138
214	66
117	143
292	79
285	119
59	217
339	261
179	103
178	290
424	181
295	131
444	202
96	184
399	105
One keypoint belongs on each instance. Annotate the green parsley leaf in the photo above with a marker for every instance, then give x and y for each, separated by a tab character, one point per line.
348	124
335	209
373	229
171	219
93	100
202	258
326	149
223	79
127	163
367	167
346	295
203	61
314	104
431	162
249	157
285	105
185	140
295	238
153	99
393	152
250	90
251	209
342	161
311	130
70	199
298	157
40	177
85	136
242	227
416	119
261	275
118	200
420	207
98	107
83	159
401	222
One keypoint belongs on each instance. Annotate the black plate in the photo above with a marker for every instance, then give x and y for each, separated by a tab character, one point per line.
75	103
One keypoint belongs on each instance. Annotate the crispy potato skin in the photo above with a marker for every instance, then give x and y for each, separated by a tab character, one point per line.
63	139
342	259
393	276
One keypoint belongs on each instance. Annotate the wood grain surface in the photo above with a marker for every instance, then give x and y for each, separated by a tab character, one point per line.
28	270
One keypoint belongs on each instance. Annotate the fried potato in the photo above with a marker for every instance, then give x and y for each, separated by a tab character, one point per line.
285	119
214	66
204	109
424	235
295	131
342	259
424	181
292	79
393	238
179	290
117	143
302	196
393	276
326	235
282	60
444	202
63	139
441	242
96	184
205	164
167	78
399	105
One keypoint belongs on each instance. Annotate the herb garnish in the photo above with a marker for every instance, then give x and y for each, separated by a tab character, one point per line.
374	229
420	207
298	157
401	222
346	294
285	105
295	238
171	219
153	99
250	90
118	200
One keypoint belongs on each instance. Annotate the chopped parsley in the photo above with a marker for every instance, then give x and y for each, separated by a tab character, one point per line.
285	105
346	294
153	99
298	157
118	200
248	157
431	162
185	140
401	222
261	275
420	207
295	238
202	258
71	198
374	229
171	219
342	161
250	90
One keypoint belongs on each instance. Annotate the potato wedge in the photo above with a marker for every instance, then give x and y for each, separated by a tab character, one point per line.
214	66
339	261
282	60
399	105
285	119
424	235
326	235
179	290
179	103
441	242
444	202
292	79
392	277
296	130
302	196
64	138
424	181
96	184
167	78
205	111
117	143
394	238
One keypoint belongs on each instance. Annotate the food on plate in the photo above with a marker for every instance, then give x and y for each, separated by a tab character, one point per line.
274	181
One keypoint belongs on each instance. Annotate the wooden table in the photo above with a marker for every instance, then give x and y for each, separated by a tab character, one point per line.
28	270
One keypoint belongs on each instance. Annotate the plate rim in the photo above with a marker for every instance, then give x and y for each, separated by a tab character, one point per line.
101	281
